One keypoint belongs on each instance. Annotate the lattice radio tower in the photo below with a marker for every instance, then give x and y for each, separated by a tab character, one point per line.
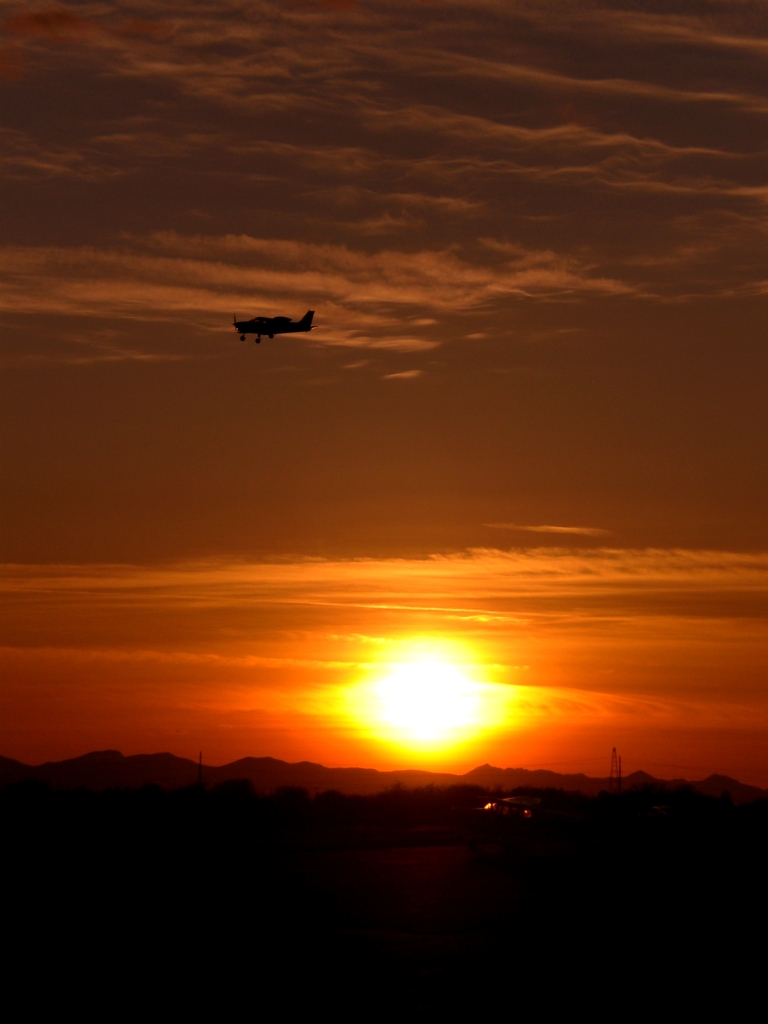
614	783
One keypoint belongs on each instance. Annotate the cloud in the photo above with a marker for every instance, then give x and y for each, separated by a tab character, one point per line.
383	142
403	375
467	65
305	58
21	157
466	581
698	33
587	531
353	339
168	275
573	153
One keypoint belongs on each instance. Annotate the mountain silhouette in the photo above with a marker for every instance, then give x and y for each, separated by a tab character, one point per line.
108	769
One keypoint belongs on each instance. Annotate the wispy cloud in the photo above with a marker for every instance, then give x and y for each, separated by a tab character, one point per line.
587	531
21	157
403	375
472	66
403	119
474	581
172	275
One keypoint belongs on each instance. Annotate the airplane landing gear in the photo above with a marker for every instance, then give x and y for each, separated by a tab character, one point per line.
258	339
242	337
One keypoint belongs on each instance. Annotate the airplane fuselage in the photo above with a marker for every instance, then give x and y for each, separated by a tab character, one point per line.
272	325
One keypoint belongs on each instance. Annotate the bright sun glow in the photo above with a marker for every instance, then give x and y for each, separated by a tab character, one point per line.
435	699
427	699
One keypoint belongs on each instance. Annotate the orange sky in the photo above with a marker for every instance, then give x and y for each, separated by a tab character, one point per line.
529	433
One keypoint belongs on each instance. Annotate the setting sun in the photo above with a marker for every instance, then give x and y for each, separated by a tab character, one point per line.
435	699
427	699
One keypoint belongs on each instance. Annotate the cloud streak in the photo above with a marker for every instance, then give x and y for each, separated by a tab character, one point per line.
170	276
400	118
586	531
707	583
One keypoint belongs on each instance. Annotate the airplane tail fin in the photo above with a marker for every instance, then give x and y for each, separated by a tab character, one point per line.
306	320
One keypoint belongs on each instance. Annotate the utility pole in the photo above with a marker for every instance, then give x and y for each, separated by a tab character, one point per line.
615	772
200	770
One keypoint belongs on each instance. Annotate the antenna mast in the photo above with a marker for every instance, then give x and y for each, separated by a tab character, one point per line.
200	770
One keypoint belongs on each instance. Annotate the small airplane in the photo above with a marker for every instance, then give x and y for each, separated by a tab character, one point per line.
272	325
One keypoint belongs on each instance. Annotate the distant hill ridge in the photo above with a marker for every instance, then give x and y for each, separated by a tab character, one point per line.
106	769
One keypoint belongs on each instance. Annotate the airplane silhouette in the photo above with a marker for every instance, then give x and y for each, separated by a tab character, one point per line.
272	325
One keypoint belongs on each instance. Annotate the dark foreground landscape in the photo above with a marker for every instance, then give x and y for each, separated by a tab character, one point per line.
407	900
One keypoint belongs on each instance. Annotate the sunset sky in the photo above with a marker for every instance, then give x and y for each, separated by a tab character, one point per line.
524	455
